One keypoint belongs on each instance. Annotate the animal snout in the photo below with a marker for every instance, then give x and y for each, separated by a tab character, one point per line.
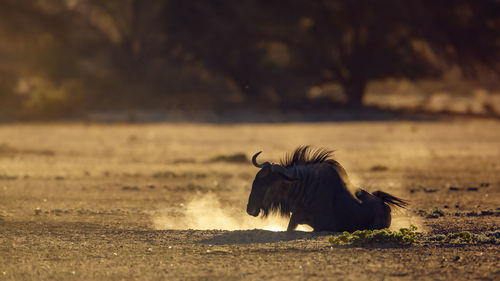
253	211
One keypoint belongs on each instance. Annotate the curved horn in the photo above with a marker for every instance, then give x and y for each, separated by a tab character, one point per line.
254	161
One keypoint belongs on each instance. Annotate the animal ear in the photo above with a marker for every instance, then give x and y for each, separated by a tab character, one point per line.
266	170
282	172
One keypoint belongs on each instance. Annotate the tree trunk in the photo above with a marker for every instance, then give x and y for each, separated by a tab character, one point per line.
355	91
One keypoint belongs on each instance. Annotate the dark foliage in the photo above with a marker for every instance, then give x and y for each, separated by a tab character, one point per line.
119	53
349	42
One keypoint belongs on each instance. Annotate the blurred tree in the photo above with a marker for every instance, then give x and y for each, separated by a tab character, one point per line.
121	48
236	39
115	48
348	42
29	27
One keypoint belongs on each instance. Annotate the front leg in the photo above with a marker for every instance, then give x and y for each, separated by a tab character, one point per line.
294	221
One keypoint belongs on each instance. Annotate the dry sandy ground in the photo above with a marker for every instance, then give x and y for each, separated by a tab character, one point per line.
124	202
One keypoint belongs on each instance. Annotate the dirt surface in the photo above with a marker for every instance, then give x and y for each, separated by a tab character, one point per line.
166	201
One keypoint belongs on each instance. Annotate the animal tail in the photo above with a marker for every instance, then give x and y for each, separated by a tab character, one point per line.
391	200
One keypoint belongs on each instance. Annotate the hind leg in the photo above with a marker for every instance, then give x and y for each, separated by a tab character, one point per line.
382	218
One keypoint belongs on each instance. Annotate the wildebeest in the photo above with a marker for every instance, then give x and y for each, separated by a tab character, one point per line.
313	188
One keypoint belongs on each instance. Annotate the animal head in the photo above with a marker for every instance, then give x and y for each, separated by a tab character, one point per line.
270	182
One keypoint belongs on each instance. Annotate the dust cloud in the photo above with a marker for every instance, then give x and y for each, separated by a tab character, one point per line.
404	218
207	212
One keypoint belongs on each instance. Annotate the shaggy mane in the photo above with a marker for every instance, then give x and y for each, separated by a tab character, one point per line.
276	207
305	155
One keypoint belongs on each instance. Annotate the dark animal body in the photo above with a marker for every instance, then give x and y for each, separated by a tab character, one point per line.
313	188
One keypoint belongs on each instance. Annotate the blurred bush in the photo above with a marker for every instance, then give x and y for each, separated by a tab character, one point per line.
43	99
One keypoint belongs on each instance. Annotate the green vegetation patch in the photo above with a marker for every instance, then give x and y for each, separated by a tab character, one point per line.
403	237
464	236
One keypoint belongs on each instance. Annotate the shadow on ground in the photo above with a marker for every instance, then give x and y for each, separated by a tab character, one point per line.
258	236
